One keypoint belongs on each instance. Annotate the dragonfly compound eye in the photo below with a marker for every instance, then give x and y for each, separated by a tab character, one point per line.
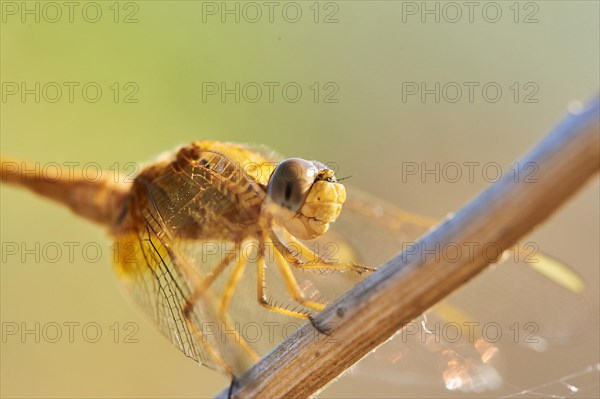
290	182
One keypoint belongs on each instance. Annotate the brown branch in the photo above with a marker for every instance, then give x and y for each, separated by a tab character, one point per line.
407	285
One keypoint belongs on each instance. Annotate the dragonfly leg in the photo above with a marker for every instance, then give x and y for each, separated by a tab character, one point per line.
323	330
316	262
291	283
261	291
296	292
205	284
214	354
351	266
234	278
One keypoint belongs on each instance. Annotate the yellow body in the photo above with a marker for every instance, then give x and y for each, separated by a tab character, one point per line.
213	192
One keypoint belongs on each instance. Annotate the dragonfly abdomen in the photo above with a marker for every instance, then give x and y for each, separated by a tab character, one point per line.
100	200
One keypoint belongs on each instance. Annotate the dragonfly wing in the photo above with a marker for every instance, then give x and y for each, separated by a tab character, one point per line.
530	299
165	270
151	279
532	309
553	291
208	196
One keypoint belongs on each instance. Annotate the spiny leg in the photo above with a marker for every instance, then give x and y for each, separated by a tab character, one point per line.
292	284
261	290
201	288
234	278
319	263
295	291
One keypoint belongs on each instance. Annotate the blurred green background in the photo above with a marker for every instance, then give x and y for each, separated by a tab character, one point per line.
365	53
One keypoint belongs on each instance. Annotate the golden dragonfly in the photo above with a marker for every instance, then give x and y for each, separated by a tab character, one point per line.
190	225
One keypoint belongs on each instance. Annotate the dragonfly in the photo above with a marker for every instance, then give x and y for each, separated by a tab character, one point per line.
227	248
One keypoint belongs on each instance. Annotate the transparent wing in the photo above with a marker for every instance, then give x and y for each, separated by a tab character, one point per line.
527	302
163	269
152	278
552	290
208	196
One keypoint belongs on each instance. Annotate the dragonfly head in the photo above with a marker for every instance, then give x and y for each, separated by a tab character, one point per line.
305	197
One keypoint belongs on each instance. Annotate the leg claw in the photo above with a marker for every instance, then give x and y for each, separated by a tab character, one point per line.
318	327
